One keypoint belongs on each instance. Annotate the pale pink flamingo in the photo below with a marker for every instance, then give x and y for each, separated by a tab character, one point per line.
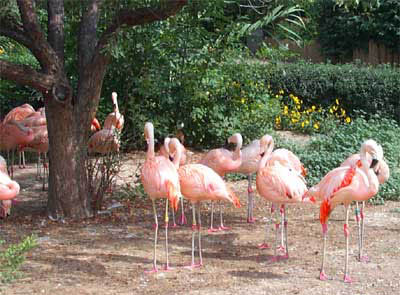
223	161
200	183
382	171
251	156
344	185
160	180
115	118
9	189
13	134
165	152
280	185
287	159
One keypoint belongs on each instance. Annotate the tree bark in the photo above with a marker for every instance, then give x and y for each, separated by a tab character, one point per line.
69	113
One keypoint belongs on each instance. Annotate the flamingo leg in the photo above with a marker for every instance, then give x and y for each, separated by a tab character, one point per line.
347	279
221	209
212	229
281	247
173	218
277	221
45	172
199	228
154	269
182	220
285	224
362	258
265	245
250	198
194	225
166	267
322	275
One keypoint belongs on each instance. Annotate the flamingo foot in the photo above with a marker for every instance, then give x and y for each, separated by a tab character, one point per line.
194	265
153	270
274	259
323	276
281	249
174	225
363	258
167	268
155	226
263	246
212	230
251	220
182	220
286	256
223	228
347	279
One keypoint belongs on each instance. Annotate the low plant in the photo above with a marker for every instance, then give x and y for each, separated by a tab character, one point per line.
12	258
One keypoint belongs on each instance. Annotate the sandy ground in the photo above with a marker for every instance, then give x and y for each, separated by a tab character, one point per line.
109	255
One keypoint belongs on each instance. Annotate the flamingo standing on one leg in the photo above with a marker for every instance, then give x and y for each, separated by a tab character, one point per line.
223	161
280	185
382	171
160	180
200	183
344	185
251	156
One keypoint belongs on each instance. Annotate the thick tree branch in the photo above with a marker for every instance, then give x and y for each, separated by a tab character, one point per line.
88	31
135	17
41	49
55	26
25	75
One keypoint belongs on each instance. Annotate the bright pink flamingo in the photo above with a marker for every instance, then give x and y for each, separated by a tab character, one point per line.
9	189
95	125
280	185
165	151
13	134
223	161
160	180
251	156
200	183
382	172
344	185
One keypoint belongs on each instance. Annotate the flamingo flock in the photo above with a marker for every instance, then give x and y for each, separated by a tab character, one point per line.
280	179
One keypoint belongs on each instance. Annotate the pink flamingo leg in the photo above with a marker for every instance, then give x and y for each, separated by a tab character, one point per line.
322	275
250	197
281	247
212	229
166	267
264	245
285	223
361	257
222	227
182	220
277	220
173	218
194	226
154	269
346	278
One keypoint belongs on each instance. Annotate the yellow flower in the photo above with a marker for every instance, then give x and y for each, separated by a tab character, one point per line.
281	91
1	51
277	96
242	100
307	122
337	101
348	120
316	126
285	110
302	124
331	110
313	108
294	120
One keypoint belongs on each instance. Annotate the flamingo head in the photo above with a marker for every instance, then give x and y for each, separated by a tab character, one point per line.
95	125
236	139
375	150
148	131
265	142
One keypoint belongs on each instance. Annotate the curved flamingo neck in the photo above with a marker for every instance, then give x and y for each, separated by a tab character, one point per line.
267	153
150	141
365	166
178	151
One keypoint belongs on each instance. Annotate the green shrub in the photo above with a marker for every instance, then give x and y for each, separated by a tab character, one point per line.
371	89
12	258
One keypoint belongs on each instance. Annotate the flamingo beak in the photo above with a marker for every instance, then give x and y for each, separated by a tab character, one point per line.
374	163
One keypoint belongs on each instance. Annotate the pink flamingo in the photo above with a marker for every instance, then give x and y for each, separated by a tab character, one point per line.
13	134
9	189
382	172
200	183
160	180
251	156
279	184
107	139
287	159
344	185
165	152
95	125
223	161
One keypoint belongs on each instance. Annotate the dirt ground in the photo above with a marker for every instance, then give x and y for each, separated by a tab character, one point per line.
109	255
